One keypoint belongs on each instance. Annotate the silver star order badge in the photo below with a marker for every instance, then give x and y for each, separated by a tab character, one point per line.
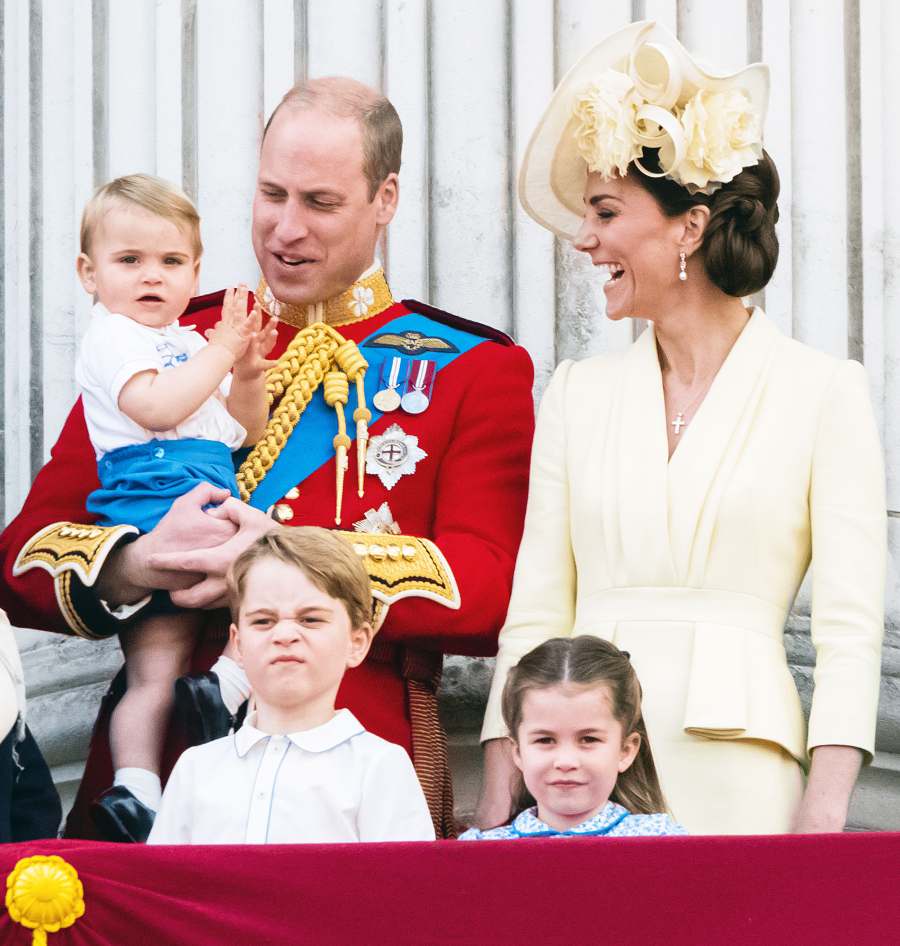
393	454
378	521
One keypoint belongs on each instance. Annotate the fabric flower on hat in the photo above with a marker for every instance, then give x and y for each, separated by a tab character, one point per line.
723	137
606	112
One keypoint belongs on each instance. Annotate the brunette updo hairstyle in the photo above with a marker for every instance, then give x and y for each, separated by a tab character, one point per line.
740	246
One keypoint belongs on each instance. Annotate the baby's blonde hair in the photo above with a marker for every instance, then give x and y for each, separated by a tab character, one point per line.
153	194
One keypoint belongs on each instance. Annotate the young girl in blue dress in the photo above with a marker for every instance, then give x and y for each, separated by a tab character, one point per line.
573	710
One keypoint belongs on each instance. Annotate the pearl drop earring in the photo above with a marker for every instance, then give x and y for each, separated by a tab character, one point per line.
682	266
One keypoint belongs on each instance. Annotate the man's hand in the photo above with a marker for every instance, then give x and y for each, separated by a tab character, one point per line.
235	328
129	573
245	524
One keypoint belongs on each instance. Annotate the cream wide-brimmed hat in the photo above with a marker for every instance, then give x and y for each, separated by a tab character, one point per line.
639	88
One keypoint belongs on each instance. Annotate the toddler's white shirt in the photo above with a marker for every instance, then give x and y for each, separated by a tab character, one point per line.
113	350
334	783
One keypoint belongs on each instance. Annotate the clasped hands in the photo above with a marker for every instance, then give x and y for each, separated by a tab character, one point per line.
188	553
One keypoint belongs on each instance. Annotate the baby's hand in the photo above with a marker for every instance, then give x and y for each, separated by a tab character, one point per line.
235	328
254	361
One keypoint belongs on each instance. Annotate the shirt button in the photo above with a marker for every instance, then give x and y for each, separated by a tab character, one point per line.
159	453
260	794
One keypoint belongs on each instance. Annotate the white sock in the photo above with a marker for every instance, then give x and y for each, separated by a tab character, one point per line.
143	784
233	683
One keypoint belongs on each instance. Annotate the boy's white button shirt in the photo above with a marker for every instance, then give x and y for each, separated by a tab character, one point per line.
333	783
114	349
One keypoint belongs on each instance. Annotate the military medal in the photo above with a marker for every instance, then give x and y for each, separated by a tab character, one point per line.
415	401
387	399
393	454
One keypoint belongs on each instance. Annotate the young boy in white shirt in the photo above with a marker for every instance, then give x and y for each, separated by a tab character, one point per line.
297	771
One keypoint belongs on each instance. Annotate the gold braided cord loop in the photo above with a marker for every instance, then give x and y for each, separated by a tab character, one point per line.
352	363
337	391
316	354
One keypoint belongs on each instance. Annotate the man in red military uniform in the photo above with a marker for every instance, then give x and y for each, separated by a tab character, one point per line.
431	489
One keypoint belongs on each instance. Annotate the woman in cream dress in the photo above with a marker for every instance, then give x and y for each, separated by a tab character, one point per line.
681	489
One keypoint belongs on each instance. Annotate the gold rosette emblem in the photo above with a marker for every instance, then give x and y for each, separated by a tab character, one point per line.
44	894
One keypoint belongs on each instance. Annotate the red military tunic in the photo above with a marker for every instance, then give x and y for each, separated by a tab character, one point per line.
468	495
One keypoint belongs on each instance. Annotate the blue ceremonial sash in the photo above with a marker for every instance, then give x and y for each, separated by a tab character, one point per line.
310	445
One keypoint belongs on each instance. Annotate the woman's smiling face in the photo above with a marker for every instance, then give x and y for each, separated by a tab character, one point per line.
625	232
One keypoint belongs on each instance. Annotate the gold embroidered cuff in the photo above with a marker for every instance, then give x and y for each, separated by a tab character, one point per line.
70	546
405	566
74	554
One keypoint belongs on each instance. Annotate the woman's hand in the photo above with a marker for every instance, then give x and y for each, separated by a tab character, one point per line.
244	524
496	800
826	800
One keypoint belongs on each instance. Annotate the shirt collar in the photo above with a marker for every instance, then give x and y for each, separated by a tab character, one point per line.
341	727
528	823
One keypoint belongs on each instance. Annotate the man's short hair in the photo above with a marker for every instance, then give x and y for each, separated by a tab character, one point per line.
382	133
327	560
153	194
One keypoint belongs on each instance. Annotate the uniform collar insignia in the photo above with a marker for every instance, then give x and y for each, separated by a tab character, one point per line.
411	343
369	296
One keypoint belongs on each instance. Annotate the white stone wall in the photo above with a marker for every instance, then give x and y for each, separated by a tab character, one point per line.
97	88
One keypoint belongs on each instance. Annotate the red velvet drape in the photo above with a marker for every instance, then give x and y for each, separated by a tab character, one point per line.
826	889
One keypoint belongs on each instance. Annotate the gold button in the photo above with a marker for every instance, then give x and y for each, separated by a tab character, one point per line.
393	552
292	493
377	552
409	552
94	533
65	532
283	512
360	549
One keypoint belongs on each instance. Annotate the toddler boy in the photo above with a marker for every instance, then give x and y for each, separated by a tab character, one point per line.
164	408
297	770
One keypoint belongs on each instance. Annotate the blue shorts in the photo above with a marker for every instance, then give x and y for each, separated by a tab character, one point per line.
140	482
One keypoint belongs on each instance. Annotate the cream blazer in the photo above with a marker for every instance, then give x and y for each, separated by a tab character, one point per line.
781	466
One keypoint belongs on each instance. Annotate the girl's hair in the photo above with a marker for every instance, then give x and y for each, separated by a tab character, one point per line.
588	661
740	246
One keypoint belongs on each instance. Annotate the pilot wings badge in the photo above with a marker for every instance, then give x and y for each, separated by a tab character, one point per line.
412	343
393	454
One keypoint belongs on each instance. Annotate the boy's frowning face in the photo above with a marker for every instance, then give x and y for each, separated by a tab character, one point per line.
140	265
294	641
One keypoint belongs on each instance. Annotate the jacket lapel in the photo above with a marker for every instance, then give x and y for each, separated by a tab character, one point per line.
700	468
638	499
